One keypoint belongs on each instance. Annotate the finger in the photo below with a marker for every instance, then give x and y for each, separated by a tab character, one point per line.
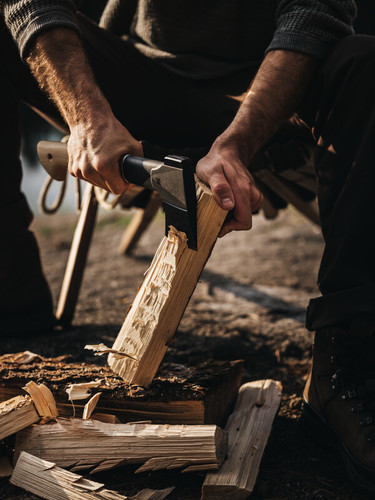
256	198
110	173
232	225
242	213
218	183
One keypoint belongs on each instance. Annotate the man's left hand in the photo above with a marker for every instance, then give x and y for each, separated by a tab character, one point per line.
232	186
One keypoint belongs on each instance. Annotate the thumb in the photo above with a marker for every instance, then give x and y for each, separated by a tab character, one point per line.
222	191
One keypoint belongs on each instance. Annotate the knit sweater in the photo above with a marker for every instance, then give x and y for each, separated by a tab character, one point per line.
198	38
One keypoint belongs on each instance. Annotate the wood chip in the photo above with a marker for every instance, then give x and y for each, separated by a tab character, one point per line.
101	349
78	392
90	406
20	358
43	399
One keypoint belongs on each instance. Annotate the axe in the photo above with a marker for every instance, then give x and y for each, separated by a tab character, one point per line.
172	178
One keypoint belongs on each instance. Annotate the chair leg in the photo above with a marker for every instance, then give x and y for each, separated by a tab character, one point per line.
139	223
77	258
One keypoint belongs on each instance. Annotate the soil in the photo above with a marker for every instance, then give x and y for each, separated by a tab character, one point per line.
249	304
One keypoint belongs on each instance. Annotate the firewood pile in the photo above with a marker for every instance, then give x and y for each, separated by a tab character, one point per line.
51	450
192	419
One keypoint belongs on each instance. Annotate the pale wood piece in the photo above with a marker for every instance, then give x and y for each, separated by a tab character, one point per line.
77	257
138	225
43	399
90	444
16	414
45	479
161	301
21	358
77	392
90	406
249	427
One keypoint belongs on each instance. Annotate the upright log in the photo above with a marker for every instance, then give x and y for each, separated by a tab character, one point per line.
90	444
248	427
161	301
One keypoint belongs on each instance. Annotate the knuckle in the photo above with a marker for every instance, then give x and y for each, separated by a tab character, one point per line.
220	187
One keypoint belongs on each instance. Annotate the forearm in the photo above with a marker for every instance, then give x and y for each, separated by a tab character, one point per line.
97	139
59	64
274	95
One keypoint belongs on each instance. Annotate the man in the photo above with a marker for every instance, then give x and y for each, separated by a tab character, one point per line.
173	74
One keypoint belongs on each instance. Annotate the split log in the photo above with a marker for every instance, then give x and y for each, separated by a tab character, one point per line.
16	414
90	444
204	394
50	482
161	301
248	428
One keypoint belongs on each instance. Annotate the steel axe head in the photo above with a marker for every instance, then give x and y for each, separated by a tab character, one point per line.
174	180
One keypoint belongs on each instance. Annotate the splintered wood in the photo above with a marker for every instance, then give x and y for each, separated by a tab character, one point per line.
16	414
50	482
160	303
89	444
249	427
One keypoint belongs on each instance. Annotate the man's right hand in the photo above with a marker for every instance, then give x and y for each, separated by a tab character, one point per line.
97	139
94	152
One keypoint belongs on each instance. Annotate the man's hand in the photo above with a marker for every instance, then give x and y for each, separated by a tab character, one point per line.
97	139
94	152
273	96
232	186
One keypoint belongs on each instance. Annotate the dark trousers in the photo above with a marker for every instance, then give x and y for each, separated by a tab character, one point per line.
185	116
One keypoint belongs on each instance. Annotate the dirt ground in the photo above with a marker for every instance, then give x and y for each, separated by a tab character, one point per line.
249	304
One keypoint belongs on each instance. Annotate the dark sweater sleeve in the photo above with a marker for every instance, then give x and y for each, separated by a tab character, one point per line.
25	19
311	27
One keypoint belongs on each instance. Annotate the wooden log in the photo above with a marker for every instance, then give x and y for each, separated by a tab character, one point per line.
204	394
16	414
50	482
90	444
248	428
161	301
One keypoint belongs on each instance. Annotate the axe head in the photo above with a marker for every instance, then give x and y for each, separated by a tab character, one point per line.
174	180
180	202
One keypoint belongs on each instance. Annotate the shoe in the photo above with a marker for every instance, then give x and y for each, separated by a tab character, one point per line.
339	397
